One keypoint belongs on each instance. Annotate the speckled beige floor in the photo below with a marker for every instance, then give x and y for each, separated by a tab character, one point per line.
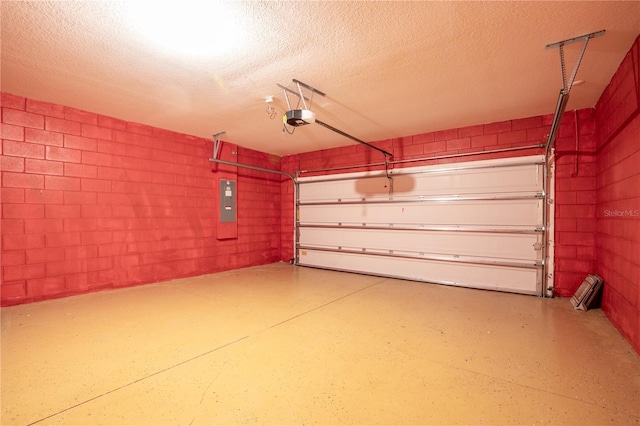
279	344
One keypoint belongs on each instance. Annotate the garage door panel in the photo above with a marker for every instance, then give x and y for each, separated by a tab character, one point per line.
524	213
448	243
498	180
459	274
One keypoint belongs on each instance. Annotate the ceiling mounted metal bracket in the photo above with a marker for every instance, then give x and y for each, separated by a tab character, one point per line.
299	93
563	97
216	144
566	85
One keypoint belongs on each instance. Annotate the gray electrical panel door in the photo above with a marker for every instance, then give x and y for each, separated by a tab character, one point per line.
227	200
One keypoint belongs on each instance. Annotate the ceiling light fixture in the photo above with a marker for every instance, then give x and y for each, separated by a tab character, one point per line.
191	28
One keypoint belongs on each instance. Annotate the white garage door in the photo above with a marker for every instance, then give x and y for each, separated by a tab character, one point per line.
476	224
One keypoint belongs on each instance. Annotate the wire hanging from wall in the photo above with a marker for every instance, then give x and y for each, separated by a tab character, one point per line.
271	112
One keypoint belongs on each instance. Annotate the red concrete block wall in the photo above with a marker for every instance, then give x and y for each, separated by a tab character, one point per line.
259	208
617	236
574	201
92	202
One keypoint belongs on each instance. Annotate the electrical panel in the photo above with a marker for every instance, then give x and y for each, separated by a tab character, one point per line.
227	200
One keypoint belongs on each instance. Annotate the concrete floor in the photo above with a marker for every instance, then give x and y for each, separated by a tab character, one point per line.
280	344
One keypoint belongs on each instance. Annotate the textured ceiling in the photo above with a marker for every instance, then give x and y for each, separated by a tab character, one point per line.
388	69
